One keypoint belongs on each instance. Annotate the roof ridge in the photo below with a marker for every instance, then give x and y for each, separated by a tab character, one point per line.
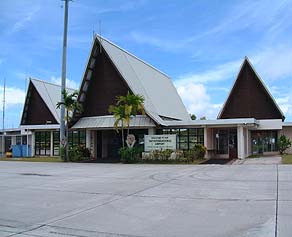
50	83
97	36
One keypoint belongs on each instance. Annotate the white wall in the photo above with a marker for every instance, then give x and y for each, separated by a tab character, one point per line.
269	124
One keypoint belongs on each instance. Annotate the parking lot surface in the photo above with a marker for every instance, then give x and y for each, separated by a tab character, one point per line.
67	199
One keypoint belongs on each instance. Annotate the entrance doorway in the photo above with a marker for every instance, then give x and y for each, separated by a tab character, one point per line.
226	143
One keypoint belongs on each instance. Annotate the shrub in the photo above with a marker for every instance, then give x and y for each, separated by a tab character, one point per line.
130	155
283	143
199	151
78	153
62	153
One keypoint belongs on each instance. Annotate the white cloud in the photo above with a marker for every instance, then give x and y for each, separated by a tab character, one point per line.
158	42
13	96
197	100
24	18
274	63
285	103
69	83
219	73
271	64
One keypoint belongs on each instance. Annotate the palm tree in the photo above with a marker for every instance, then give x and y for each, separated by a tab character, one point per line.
134	104
71	104
122	117
125	108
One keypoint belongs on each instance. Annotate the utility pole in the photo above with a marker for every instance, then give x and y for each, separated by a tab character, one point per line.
3	119
63	136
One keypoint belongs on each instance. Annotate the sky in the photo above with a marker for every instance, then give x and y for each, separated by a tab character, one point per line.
199	44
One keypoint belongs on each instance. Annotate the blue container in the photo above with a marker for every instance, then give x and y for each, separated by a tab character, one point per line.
16	151
21	151
24	151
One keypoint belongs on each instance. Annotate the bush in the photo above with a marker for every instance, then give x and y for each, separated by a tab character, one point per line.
62	153
78	153
130	155
283	143
199	151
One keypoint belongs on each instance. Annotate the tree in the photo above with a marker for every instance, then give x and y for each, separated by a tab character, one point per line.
203	118
283	143
126	107
71	104
133	104
193	117
122	118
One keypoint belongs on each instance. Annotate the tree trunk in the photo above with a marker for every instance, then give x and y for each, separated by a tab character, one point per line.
123	142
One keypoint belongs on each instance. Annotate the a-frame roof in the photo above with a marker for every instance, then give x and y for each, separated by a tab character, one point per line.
249	97
161	98
50	95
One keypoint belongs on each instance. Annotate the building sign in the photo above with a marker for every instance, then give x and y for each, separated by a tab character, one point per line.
159	142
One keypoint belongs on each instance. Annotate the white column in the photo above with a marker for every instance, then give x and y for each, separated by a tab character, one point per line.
52	143
32	143
13	140
206	141
240	143
88	139
151	131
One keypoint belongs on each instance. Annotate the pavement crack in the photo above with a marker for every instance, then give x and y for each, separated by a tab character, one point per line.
277	203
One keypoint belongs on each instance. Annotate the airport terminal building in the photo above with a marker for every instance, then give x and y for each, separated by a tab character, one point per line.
249	123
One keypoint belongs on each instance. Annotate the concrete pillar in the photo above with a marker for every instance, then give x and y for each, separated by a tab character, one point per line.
240	143
32	143
206	141
151	131
52	144
206	137
13	140
88	139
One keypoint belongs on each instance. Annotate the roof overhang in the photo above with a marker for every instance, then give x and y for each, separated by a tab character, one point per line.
41	127
287	124
107	122
246	122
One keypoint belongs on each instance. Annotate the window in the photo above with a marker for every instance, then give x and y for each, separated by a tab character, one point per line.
187	137
18	140
76	138
56	143
43	143
264	141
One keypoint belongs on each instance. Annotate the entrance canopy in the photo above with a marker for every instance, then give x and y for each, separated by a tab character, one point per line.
107	122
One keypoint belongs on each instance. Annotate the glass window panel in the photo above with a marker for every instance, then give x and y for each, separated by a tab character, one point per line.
183	132
183	146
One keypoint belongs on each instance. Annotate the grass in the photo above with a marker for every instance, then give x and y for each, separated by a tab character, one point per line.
34	159
287	159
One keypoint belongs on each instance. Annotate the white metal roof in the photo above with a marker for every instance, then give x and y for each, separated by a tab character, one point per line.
141	121
161	97
50	93
41	127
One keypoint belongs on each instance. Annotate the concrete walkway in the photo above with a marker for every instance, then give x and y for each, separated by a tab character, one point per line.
272	160
86	200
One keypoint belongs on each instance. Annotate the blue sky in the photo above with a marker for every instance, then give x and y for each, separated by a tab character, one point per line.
199	44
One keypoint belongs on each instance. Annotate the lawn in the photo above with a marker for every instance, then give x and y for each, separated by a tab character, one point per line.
287	159
34	159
